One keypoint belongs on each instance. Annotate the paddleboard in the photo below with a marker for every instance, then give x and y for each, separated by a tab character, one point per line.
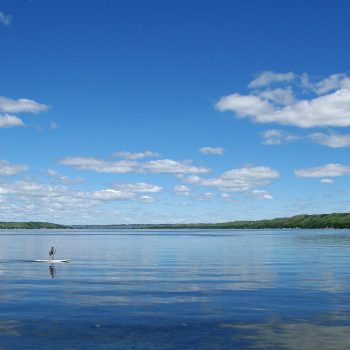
53	261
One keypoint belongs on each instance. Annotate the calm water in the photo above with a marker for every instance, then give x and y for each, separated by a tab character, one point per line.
176	290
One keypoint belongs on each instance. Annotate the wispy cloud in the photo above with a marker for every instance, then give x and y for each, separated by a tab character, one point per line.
173	167
329	139
182	190
134	156
128	166
330	105
9	106
139	187
53	126
98	165
206	196
212	150
112	195
61	178
262	194
5	20
279	96
27	198
277	137
333	140
22	105
237	180
326	181
8	169
324	171
332	83
269	77
10	121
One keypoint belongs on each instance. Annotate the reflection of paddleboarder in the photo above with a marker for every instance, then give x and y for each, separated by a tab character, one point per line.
52	271
52	253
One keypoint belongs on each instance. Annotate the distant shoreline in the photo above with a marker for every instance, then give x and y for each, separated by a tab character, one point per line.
317	221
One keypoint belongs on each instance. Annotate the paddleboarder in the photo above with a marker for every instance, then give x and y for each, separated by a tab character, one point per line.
52	253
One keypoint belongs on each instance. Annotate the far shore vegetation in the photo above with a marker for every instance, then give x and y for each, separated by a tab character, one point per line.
30	225
317	221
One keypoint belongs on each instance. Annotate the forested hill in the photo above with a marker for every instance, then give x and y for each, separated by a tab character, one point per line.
30	225
337	220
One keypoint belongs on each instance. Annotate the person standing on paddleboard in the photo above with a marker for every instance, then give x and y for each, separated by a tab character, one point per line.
52	253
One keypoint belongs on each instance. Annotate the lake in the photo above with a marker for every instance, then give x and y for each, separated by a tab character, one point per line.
176	290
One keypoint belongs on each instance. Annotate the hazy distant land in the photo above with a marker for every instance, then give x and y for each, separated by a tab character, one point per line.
335	220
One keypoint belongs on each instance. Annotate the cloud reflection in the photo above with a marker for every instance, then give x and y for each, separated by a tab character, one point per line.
294	336
9	328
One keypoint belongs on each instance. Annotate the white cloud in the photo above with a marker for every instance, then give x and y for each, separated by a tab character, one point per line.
27	200
23	200
276	137
134	156
146	199
130	191
279	106
32	189
53	173
246	105
262	194
323	111
8	106
326	181
332	83
10	121
25	194
212	150
61	178
182	190
305	83
8	169
330	139
280	96
206	196
22	105
269	77
238	180
125	166
328	170
5	19
192	179
333	140
139	187
112	195
100	166
172	166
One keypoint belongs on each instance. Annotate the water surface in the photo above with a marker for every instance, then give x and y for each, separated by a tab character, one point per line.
287	289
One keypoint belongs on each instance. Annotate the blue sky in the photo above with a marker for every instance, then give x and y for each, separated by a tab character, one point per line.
173	111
